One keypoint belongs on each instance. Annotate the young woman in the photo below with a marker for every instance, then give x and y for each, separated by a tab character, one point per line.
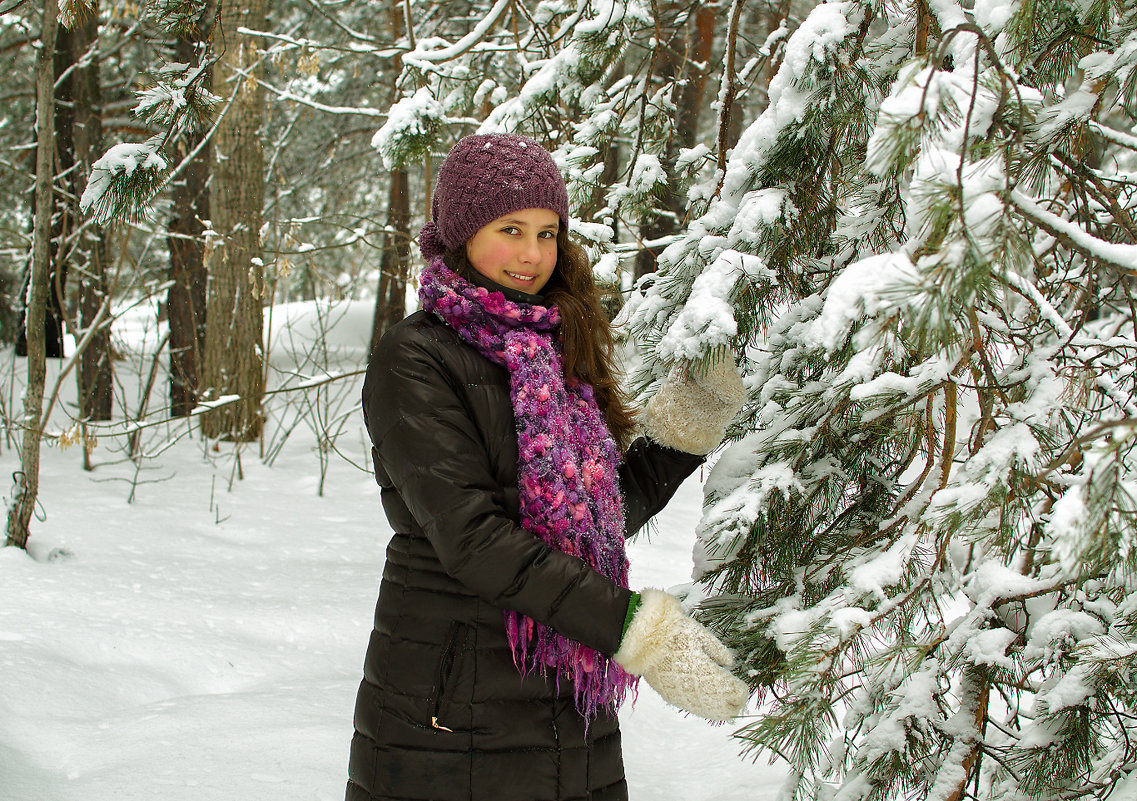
505	634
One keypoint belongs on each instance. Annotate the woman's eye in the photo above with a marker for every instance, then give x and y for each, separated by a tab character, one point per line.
547	235
510	229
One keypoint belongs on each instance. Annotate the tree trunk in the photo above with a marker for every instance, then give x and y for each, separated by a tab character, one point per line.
234	352
62	222
26	490
186	301
94	375
394	265
686	43
695	88
63	218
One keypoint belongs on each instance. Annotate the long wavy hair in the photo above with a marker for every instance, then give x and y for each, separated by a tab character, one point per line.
589	348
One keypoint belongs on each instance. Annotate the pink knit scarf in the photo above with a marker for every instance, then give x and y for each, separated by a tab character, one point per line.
566	466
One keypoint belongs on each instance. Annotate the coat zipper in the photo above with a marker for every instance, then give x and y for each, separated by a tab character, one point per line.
448	665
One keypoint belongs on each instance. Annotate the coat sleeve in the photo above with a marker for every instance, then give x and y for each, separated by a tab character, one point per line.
428	445
649	475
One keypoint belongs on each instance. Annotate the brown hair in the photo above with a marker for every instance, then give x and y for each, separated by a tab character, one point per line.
589	349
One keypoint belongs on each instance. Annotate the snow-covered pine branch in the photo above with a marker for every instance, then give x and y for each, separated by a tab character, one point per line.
923	534
177	16
178	102
412	126
72	12
124	181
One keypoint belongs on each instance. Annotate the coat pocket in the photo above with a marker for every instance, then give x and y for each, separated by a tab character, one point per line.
449	670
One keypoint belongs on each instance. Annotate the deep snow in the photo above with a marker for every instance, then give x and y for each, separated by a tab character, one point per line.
204	642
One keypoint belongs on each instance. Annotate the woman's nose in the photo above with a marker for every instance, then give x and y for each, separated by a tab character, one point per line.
531	251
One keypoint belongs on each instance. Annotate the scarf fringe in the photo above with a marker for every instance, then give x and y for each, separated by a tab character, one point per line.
597	681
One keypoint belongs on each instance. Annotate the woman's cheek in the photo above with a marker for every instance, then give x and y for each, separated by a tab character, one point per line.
501	253
488	257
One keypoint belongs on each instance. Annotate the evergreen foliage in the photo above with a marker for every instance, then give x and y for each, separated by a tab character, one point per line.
125	181
72	12
177	102
921	539
178	17
413	125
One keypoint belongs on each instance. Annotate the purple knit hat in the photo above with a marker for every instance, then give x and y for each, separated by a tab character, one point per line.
486	176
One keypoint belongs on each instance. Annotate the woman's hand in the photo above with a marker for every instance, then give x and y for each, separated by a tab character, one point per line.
686	664
690	412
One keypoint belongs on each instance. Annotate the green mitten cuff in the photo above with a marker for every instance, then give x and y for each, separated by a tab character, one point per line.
633	604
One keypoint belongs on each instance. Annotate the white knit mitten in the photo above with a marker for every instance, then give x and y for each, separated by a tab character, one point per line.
684	662
690	412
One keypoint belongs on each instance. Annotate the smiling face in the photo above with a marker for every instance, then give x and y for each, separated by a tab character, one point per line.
517	250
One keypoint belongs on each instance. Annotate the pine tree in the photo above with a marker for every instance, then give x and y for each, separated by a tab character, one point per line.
233	354
395	261
920	540
94	374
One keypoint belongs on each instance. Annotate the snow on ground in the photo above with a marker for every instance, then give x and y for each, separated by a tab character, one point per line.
203	642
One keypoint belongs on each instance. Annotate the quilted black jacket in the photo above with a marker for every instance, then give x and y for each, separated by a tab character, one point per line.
442	712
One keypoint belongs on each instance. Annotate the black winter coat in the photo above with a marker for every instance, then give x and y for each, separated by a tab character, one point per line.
442	712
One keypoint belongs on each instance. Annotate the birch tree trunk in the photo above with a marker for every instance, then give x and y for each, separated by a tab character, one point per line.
234	353
27	480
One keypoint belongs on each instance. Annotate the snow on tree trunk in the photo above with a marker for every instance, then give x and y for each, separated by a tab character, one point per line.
233	358
921	540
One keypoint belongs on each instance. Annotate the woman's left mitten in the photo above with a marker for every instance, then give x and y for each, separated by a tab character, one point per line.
686	664
691	411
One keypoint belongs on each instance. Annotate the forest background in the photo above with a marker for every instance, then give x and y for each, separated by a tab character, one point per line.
911	224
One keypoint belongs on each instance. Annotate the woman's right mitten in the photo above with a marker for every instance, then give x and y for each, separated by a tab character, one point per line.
686	664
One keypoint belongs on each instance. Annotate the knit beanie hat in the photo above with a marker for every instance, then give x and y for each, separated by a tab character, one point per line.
486	176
